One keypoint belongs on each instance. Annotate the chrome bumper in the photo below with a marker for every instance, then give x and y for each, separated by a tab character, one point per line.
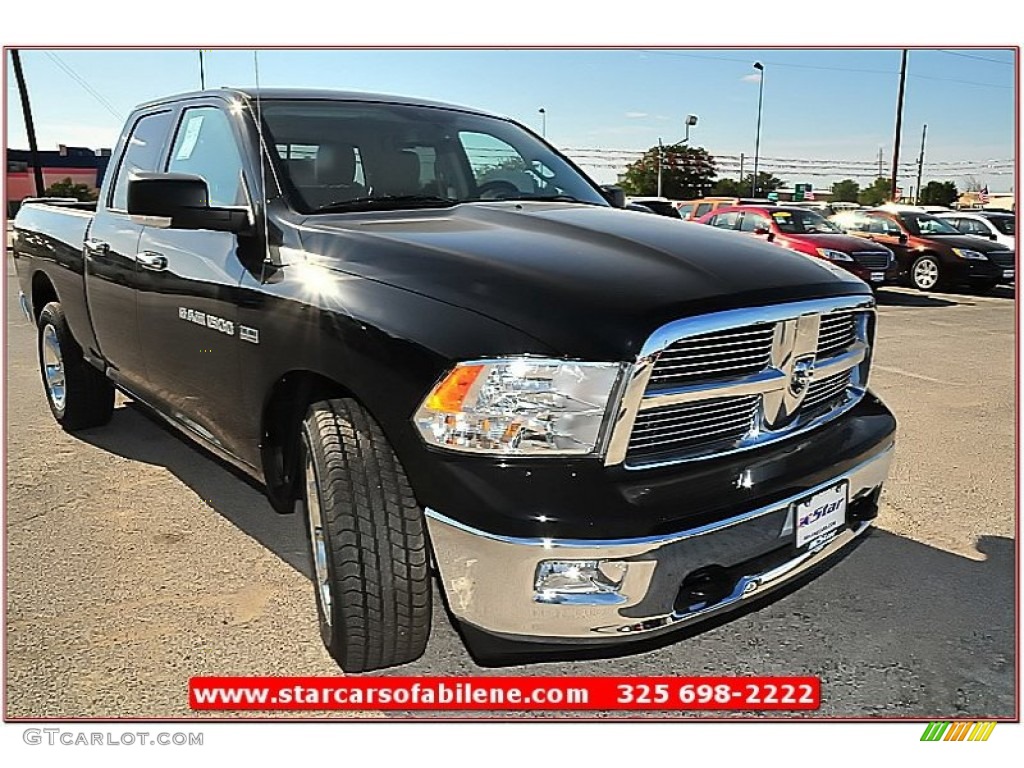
489	580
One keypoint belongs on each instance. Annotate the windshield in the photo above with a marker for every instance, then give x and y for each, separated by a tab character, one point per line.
925	225
797	222
351	155
1004	224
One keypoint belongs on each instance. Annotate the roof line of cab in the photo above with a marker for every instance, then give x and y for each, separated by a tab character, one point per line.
311	94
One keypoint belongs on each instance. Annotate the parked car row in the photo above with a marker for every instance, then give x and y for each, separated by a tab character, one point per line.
887	246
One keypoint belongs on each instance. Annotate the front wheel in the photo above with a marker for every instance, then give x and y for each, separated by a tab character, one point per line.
926	274
79	396
368	541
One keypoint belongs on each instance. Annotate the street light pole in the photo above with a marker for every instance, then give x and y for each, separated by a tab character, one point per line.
757	140
543	122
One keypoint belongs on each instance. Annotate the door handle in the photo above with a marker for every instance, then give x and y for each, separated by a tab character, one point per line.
150	260
99	247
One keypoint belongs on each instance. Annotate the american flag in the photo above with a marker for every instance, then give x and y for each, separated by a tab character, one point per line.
983	195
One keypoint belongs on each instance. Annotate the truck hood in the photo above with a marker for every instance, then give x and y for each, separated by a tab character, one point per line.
587	281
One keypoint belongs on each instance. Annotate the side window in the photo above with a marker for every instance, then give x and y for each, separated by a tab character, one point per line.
726	220
204	146
878	225
685	210
498	164
141	154
973	227
701	210
754	221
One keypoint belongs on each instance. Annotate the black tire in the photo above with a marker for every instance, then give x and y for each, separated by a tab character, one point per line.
79	395
926	273
375	565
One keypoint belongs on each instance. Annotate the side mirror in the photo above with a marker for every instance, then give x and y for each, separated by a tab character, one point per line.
614	195
762	231
992	236
903	238
183	201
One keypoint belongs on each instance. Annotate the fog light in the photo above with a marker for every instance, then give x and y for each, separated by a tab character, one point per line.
565	581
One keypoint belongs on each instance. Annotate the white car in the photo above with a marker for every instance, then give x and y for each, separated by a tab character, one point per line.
991	225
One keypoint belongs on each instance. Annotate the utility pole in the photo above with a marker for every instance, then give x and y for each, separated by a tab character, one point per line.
757	141
920	163
899	126
661	153
30	126
742	158
880	162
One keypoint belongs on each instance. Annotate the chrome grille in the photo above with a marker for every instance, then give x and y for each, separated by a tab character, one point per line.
826	392
872	259
835	334
734	352
1001	258
693	424
730	381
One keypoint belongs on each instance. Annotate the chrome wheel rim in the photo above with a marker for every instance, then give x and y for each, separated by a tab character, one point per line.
53	368
926	273
317	540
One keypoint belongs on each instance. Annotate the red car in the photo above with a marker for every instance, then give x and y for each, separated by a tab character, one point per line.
809	233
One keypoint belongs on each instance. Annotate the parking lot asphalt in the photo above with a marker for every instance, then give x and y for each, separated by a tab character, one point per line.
135	561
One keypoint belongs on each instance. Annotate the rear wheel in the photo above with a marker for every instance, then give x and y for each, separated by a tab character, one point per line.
79	396
926	274
367	538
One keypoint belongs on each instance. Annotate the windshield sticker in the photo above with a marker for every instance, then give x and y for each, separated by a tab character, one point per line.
188	141
781	214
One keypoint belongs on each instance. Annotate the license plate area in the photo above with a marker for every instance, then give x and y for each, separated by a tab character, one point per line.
821	516
877	277
1008	273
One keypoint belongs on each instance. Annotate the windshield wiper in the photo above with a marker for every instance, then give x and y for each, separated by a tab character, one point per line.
385	203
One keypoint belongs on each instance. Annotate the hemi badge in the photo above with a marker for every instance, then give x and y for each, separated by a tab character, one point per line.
245	333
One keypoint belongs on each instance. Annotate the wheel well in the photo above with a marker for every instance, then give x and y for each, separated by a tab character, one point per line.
283	412
43	293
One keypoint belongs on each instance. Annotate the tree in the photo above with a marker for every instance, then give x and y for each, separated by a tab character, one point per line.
766	183
938	193
687	173
728	188
845	191
67	188
876	194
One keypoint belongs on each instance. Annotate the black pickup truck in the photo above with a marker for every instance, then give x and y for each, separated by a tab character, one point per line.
593	425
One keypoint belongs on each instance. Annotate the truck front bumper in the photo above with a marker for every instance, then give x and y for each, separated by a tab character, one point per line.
647	585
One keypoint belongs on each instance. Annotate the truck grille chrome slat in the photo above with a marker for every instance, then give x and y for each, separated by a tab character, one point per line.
734	380
686	361
671	427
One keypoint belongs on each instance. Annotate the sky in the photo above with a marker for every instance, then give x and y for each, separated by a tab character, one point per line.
835	107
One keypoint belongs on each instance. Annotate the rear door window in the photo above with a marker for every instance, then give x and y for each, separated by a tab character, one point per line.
754	221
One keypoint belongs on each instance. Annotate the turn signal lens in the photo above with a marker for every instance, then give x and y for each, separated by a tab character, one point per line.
449	395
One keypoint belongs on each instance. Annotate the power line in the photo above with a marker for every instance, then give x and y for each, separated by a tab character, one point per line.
976	58
81	81
838	69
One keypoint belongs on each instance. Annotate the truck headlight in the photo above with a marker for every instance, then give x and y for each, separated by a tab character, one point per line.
519	406
831	255
967	253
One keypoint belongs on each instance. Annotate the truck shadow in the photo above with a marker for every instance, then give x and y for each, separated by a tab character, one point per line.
892	626
907	297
